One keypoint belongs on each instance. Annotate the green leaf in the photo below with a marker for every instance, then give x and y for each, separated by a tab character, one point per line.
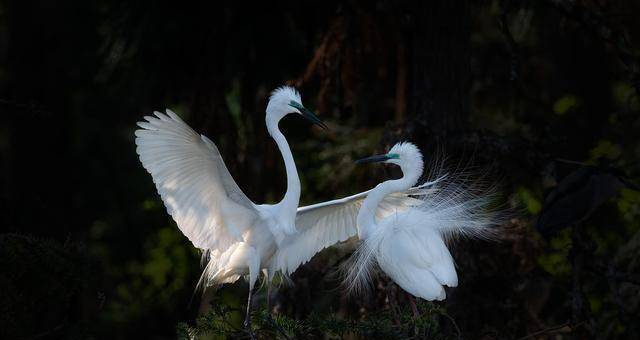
606	149
566	103
529	200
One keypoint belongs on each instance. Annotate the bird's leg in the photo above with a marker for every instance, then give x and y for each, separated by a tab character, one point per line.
577	260
269	317
414	307
265	272
269	298
254	270
247	318
392	302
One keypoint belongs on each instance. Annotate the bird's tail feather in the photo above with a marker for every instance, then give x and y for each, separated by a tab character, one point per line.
362	265
461	202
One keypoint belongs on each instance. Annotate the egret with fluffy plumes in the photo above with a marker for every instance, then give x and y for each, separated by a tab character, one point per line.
410	246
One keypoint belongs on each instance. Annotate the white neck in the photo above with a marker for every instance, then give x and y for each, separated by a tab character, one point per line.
292	196
367	214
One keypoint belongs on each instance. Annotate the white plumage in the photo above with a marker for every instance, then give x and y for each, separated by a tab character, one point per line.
409	246
325	224
238	237
194	183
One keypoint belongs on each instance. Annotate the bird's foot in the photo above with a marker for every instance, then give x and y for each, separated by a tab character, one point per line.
414	310
248	329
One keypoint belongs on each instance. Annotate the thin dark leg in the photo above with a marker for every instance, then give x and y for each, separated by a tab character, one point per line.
391	297
577	262
269	297
269	311
414	307
247	318
414	310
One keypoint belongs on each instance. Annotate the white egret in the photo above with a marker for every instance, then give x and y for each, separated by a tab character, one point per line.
237	236
409	246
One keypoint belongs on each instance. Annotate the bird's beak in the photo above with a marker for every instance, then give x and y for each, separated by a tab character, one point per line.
306	113
373	159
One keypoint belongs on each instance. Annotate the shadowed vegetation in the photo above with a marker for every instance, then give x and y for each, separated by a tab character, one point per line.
545	94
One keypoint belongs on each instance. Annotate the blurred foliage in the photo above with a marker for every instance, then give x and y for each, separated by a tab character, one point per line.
554	261
402	323
152	283
538	89
566	103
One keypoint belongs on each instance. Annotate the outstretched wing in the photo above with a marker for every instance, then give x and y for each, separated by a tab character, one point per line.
325	224
193	182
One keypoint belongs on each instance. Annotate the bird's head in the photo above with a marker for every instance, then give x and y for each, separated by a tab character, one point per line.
404	154
285	100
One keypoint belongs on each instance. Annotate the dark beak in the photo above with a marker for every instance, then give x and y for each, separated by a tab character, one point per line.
373	159
306	113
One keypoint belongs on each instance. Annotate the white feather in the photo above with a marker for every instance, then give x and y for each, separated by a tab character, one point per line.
409	245
325	224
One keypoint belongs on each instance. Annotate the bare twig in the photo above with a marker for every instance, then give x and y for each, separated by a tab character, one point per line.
455	325
552	330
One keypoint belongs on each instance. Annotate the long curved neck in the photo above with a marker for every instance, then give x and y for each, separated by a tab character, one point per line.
367	214
292	195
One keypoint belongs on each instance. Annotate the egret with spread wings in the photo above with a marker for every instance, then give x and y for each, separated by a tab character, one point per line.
237	236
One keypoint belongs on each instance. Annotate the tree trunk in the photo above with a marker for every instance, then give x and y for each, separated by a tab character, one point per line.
441	66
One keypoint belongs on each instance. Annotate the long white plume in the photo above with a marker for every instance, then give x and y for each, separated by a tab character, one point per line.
458	202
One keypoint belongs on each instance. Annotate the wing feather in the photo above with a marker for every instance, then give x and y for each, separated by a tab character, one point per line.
192	180
325	224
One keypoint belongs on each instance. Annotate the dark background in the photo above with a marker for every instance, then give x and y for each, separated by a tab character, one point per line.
543	93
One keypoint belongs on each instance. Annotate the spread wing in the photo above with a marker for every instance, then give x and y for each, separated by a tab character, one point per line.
325	224
193	182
